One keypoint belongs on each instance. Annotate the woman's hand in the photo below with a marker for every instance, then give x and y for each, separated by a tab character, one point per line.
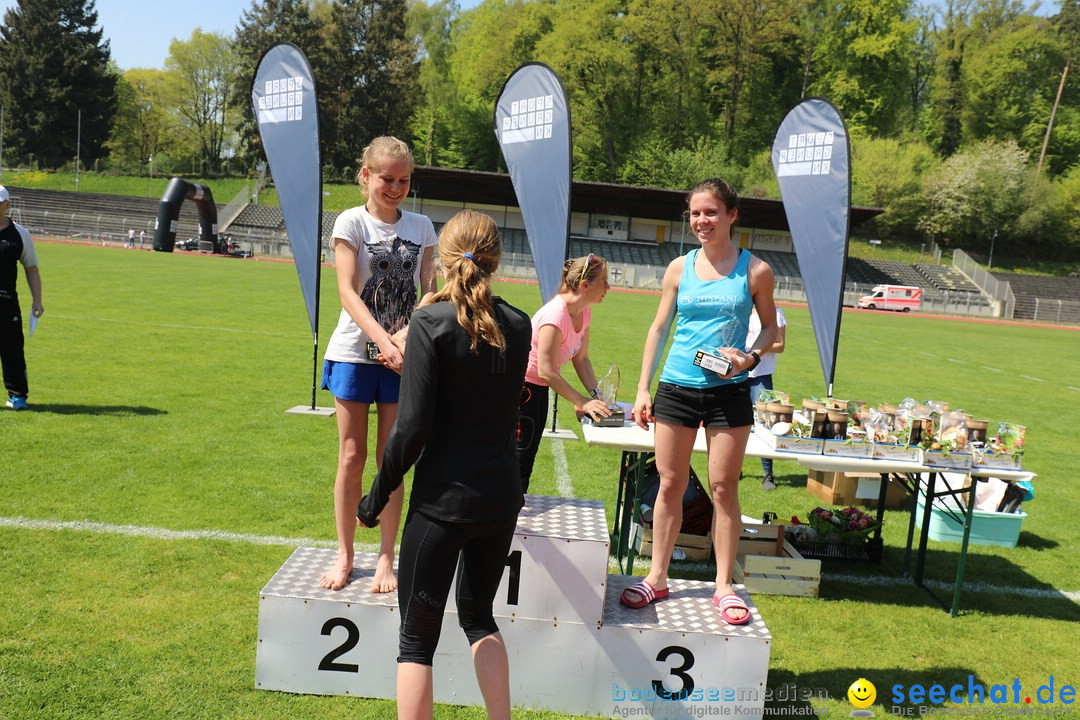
740	361
399	338
390	354
643	409
597	409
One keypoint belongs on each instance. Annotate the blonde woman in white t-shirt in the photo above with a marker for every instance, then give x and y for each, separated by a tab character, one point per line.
383	257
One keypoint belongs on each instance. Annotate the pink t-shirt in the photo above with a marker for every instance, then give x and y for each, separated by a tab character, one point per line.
555	313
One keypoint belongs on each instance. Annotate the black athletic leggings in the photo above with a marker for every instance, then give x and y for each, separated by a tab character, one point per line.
11	348
429	555
532	414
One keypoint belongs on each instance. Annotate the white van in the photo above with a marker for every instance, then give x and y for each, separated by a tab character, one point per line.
892	297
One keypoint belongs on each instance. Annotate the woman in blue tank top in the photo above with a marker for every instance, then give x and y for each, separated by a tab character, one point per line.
708	293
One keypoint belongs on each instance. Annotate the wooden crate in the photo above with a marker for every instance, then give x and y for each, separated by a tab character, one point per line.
692	547
837	488
759	539
788	574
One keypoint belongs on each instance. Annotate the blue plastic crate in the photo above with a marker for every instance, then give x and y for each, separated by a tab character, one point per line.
987	528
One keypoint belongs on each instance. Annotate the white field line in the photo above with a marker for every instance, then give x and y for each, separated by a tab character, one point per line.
1029	377
157	533
178	326
1070	387
923	352
991	369
885	581
954	360
563	484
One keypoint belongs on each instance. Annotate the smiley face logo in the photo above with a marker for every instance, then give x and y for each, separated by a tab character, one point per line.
862	693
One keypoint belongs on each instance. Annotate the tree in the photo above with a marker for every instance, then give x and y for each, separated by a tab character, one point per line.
199	78
373	79
1069	27
143	127
943	122
1008	95
431	25
976	192
743	33
863	63
597	81
888	173
668	72
663	164
489	42
54	66
921	66
263	25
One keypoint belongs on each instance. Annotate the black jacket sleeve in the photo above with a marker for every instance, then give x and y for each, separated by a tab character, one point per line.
416	416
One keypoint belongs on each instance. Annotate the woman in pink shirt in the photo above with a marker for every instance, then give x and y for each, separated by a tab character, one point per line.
560	334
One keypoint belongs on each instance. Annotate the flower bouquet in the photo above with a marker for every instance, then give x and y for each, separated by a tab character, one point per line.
848	525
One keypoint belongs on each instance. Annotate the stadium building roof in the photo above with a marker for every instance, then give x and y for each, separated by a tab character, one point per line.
488	188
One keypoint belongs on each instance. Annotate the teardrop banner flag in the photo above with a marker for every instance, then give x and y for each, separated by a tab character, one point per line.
283	102
532	123
811	158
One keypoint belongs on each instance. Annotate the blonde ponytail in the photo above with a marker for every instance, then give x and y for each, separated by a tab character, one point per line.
470	250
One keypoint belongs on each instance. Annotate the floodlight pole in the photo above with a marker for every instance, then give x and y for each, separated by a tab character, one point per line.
1	140
990	260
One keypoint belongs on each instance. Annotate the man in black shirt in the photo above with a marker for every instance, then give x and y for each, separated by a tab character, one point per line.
16	246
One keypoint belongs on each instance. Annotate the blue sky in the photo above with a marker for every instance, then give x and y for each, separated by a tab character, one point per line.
139	31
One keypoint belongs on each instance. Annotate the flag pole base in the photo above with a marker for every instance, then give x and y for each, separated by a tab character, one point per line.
560	434
308	410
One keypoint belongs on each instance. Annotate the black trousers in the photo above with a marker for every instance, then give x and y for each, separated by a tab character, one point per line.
11	348
532	414
430	551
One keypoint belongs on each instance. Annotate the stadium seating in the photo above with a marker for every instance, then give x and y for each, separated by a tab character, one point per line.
784	265
94	215
1039	297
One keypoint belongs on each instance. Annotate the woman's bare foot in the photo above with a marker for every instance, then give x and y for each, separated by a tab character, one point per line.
385	580
336	577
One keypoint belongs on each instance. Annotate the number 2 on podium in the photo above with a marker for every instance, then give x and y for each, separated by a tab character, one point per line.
352	637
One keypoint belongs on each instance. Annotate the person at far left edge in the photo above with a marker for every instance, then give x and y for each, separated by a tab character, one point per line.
16	246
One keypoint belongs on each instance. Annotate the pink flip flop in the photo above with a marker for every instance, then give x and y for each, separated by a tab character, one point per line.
730	602
645	592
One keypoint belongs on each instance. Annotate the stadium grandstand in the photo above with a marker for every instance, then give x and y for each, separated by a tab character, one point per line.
1044	298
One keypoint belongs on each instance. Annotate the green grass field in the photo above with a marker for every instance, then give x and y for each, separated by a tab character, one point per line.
158	389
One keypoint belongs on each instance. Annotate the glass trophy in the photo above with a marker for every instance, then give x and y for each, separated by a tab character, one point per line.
607	389
732	335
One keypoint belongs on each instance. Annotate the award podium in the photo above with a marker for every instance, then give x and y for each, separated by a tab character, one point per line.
573	648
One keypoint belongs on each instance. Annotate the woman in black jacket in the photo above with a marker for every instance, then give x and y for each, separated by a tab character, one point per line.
461	382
